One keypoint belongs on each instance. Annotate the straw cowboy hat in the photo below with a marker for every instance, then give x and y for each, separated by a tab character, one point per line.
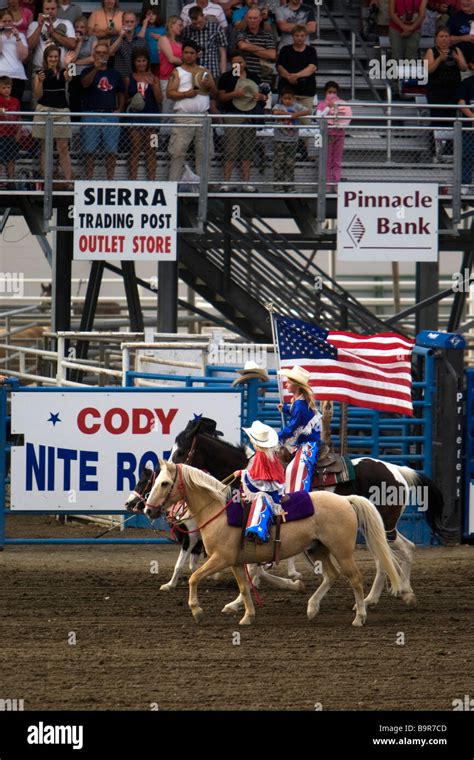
262	435
298	375
251	371
248	102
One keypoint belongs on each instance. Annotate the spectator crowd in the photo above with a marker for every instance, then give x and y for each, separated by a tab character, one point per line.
241	58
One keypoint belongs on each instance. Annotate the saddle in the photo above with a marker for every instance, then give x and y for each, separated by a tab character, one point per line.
331	469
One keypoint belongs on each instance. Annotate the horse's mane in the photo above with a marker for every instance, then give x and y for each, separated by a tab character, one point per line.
193	476
221	442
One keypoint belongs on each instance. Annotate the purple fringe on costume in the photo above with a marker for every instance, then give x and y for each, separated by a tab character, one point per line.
298	506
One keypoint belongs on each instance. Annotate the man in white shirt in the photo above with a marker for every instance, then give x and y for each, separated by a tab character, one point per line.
192	99
209	9
45	32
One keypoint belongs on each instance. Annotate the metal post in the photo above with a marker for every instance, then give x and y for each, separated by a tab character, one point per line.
427	284
204	170
60	370
62	273
457	171
168	296
48	171
353	50
323	156
252	401
3	461
389	122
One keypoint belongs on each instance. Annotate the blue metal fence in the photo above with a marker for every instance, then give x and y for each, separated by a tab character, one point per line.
469	458
400	440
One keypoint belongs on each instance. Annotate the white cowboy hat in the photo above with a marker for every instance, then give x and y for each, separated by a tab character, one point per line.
298	375
251	371
262	435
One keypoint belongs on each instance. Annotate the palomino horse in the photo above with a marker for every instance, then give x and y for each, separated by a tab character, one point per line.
374	480
335	522
187	534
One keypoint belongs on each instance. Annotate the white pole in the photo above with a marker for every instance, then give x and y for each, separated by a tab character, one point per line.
269	307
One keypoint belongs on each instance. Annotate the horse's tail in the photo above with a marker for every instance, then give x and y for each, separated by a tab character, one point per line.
434	504
372	527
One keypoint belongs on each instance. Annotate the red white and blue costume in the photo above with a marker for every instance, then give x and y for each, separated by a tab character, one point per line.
302	435
263	484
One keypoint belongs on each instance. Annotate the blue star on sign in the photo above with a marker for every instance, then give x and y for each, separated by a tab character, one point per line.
54	418
197	417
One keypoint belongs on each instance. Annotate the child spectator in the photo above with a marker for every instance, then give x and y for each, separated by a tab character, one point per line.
9	133
286	138
151	28
338	115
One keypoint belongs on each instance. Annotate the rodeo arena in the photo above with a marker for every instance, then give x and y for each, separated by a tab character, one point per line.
237	368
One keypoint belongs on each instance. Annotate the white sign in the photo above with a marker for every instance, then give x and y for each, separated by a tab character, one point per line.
125	221
380	221
85	450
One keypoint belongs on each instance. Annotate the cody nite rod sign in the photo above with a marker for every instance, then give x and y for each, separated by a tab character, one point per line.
125	221
86	450
387	222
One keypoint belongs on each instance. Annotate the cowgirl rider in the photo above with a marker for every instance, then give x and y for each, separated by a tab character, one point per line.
263	482
302	433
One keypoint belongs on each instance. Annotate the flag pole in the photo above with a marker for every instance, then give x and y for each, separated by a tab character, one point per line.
269	307
343	428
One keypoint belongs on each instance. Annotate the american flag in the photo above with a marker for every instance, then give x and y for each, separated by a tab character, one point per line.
373	371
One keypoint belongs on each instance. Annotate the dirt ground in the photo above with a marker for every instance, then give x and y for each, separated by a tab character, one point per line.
137	648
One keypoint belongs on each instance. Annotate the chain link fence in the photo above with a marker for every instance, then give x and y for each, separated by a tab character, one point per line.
266	154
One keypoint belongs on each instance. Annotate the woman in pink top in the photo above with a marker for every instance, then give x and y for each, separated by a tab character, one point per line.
22	17
170	57
406	18
107	22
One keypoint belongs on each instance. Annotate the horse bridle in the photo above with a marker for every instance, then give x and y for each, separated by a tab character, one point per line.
150	483
163	506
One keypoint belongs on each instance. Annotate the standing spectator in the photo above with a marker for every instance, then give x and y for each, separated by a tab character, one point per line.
82	57
209	9
445	64
69	11
338	114
13	51
239	15
191	98
286	138
461	30
170	57
104	93
239	144
47	30
295	13
406	19
297	65
22	17
49	90
466	99
106	22
126	42
9	133
257	47
211	39
144	86
151	29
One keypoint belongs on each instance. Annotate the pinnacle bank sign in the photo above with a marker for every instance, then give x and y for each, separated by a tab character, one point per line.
380	221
